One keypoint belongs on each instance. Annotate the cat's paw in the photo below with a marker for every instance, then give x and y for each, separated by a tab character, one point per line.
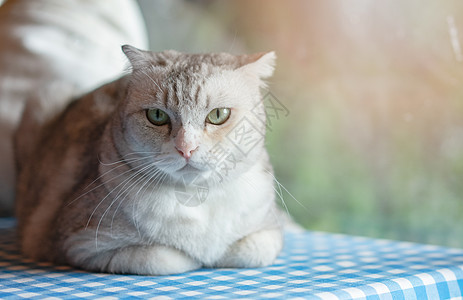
151	260
141	260
258	249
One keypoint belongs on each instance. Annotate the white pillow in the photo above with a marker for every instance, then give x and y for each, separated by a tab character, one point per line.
42	41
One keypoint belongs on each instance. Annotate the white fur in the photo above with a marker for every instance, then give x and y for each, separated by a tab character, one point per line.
236	227
263	67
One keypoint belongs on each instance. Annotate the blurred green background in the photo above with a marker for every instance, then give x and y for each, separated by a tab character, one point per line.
373	143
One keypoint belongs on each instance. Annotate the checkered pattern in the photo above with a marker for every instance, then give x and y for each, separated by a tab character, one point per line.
312	266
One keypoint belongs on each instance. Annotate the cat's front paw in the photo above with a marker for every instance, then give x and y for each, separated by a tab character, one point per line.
151	260
258	249
141	260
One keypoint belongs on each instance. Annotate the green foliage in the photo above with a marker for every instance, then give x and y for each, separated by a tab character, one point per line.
398	188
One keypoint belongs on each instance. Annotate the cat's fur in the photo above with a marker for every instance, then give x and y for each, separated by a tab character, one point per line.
97	182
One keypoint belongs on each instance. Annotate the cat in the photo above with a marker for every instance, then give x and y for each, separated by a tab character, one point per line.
161	171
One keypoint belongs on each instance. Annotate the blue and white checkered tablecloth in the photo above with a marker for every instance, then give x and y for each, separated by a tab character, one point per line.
312	265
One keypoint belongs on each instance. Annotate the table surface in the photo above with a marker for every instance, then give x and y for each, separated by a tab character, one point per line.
312	265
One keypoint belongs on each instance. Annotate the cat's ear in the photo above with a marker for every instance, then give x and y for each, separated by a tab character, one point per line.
138	58
259	65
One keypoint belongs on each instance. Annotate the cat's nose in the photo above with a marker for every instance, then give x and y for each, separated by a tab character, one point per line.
186	152
186	142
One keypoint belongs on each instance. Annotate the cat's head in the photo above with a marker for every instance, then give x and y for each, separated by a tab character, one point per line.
195	112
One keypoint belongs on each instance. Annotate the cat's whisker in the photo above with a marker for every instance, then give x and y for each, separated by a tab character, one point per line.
273	209
161	183
233	41
279	192
140	152
121	183
135	198
101	184
124	160
283	202
141	170
127	161
154	177
158	176
127	191
123	157
151	78
286	190
125	182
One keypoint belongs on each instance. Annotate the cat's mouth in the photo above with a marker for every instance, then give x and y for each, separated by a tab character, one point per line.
189	168
178	168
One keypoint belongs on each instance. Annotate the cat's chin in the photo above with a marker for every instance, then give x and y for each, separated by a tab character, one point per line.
187	169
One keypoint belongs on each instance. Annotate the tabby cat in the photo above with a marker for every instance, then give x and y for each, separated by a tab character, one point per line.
159	172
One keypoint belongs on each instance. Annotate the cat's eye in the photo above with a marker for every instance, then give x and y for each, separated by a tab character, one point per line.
157	116
218	116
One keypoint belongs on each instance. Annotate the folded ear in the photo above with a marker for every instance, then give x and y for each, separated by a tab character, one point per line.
138	58
259	65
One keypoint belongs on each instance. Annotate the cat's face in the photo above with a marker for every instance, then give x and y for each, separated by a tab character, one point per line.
195	113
